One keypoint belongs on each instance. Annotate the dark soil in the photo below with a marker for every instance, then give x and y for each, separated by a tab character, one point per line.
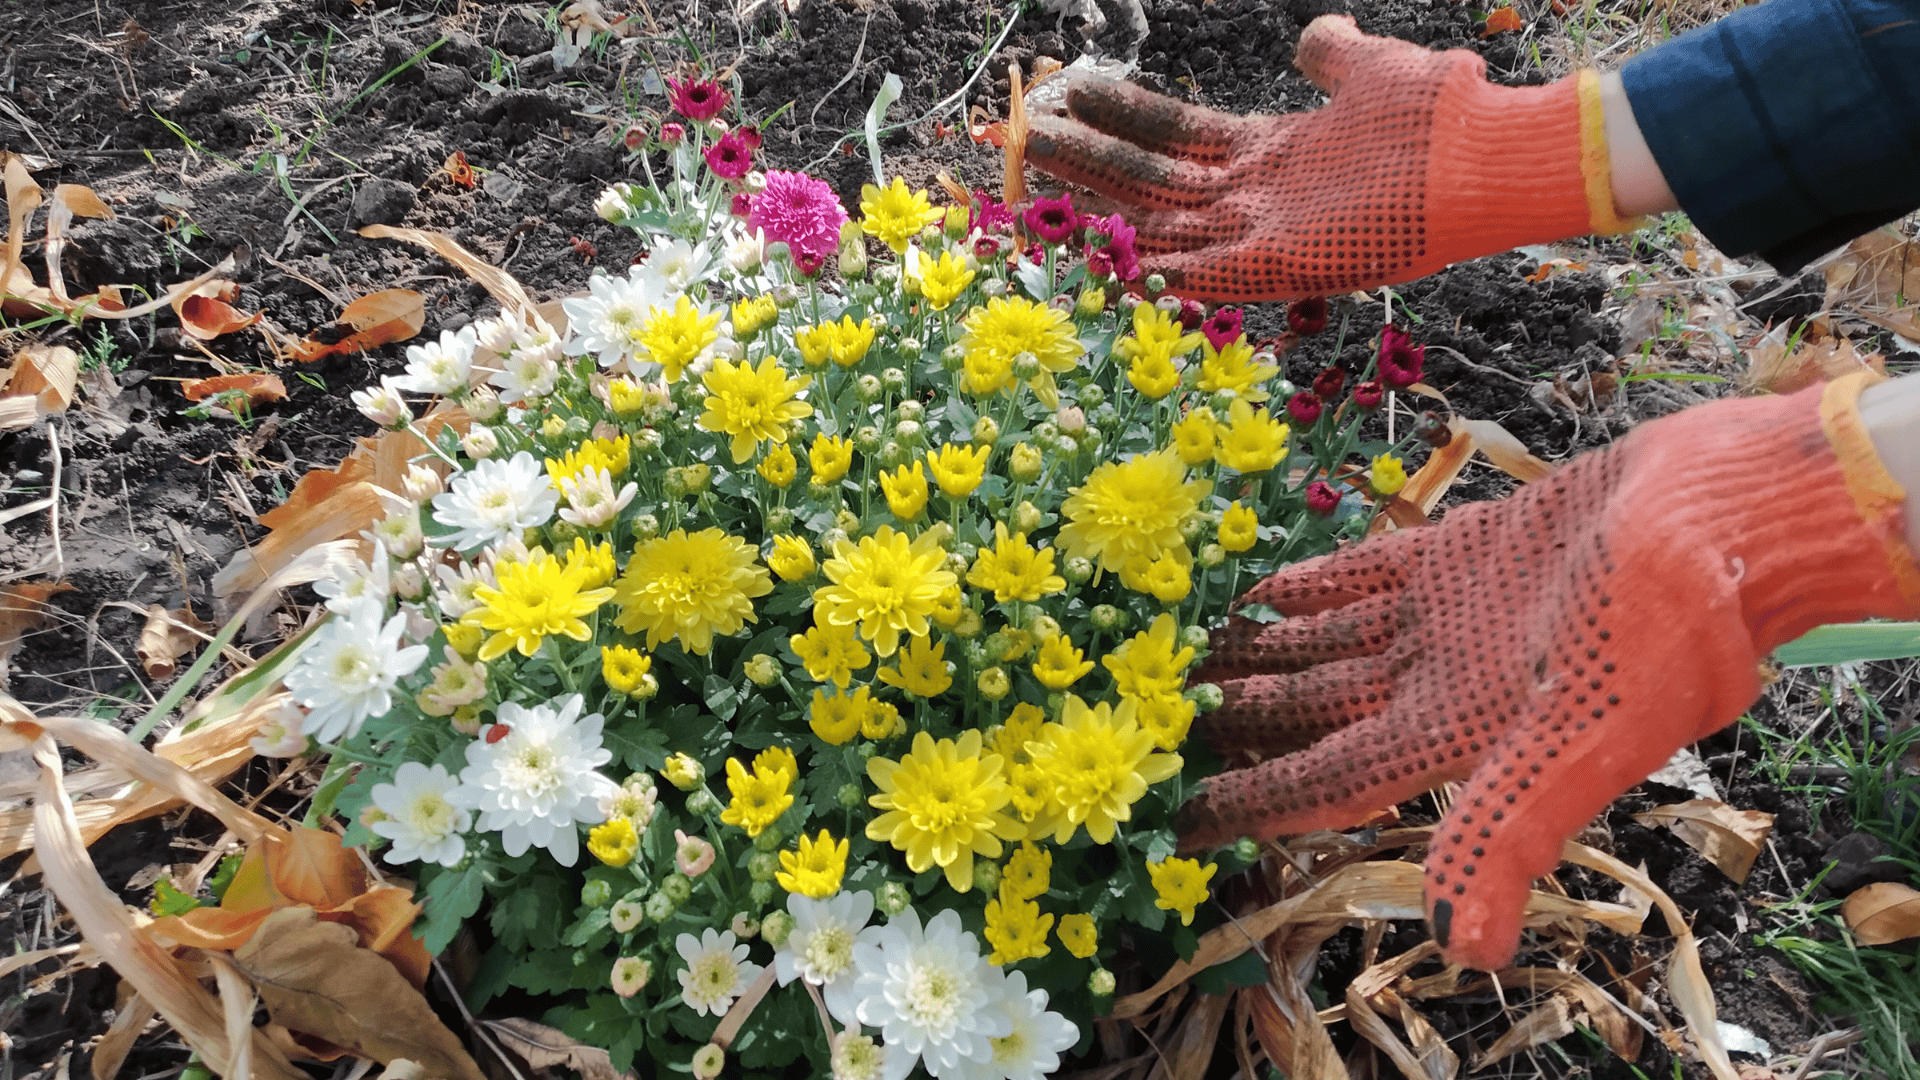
352	108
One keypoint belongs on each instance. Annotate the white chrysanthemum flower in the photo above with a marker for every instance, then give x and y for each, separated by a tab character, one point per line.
398	534
348	579
496	501
679	264
279	734
591	501
717	970
630	974
480	442
820	947
492	337
1032	1049
746	250
458	586
525	375
421	483
858	1057
440	367
348	670
604	321
532	777
613	204
930	993
636	800
383	404
424	825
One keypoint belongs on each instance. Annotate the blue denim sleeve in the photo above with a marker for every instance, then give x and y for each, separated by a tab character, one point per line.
1789	128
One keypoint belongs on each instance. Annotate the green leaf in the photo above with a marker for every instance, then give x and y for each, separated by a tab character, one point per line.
890	90
223	874
544	971
168	900
636	746
1851	642
452	898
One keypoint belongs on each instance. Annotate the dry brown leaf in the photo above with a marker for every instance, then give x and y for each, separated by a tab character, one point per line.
40	384
545	1048
69	201
1878	276
168	636
316	980
370	321
259	387
23	607
205	311
496	281
22	295
1882	913
130	1015
1771	368
1728	838
1499	446
1545	1024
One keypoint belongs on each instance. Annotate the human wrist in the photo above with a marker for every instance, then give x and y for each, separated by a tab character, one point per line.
1639	187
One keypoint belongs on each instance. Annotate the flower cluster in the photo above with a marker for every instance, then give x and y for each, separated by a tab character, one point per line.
766	599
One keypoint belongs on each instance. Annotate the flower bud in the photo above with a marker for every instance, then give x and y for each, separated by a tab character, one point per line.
1247	850
660	907
1092	396
1193	637
703	802
994	684
1322	498
986	431
684	772
596	893
986	875
910	410
676	887
892	898
1092	302
1367	395
779	519
865	752
1305	408
1107	617
892	454
1307	316
479	443
769	839
1045	432
1329	383
762	865
850	796
483	404
852	259
1026	517
1433	431
968	624
761	892
868	389
907	431
1041	627
1193	527
953	358
707	1062
1101	983
775	928
1207	697
1070	420
993	287
1066	445
1078	569
672	133
763	670
1025	462
1212	555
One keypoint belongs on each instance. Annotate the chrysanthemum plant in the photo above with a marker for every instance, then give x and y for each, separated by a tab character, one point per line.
826	629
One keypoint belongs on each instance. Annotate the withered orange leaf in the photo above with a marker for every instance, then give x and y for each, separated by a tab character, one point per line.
258	386
375	319
1500	20
458	170
205	314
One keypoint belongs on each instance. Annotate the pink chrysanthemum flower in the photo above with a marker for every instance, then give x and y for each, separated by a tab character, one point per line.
989	215
1322	498
1053	220
1400	358
799	211
1304	407
730	158
1307	316
1223	329
1120	247
699	100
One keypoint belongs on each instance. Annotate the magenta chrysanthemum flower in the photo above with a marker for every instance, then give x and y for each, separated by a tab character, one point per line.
1120	247
699	100
1192	314
1053	220
671	133
989	215
1327	384
1322	498
986	247
1400	359
1223	329
730	158
799	211
1099	263
740	205
809	263
1367	394
1304	407
1307	316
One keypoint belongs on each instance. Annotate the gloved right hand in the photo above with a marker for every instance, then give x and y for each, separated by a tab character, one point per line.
1416	163
1553	648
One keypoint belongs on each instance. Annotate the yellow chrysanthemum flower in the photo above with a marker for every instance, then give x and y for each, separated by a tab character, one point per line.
1100	763
830	457
943	804
1078	934
1151	662
1153	374
682	771
779	466
1251	441
894	214
1232	368
595	562
1022	727
1239	527
627	398
623	668
759	796
1016	929
1013	569
613	455
1168	577
614	842
464	639
1180	885
830	653
1389	475
1193	437
1156	330
906	490
886	584
1008	326
751	404
921	669
535	599
1029	872
1058	664
882	720
674	337
752	315
942	282
791	558
1130	508
845	342
836	718
959	469
816	869
1166	717
983	373
777	759
686	588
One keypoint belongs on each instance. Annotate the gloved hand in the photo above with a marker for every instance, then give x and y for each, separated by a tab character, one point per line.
1553	648
1416	163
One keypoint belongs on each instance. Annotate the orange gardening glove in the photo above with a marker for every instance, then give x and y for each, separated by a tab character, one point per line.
1417	162
1551	649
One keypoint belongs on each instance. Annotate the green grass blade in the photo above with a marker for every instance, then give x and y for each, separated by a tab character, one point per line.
1849	642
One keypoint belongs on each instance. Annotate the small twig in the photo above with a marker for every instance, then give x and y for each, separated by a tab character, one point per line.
460	1003
53	513
852	70
1528	383
1824	1045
